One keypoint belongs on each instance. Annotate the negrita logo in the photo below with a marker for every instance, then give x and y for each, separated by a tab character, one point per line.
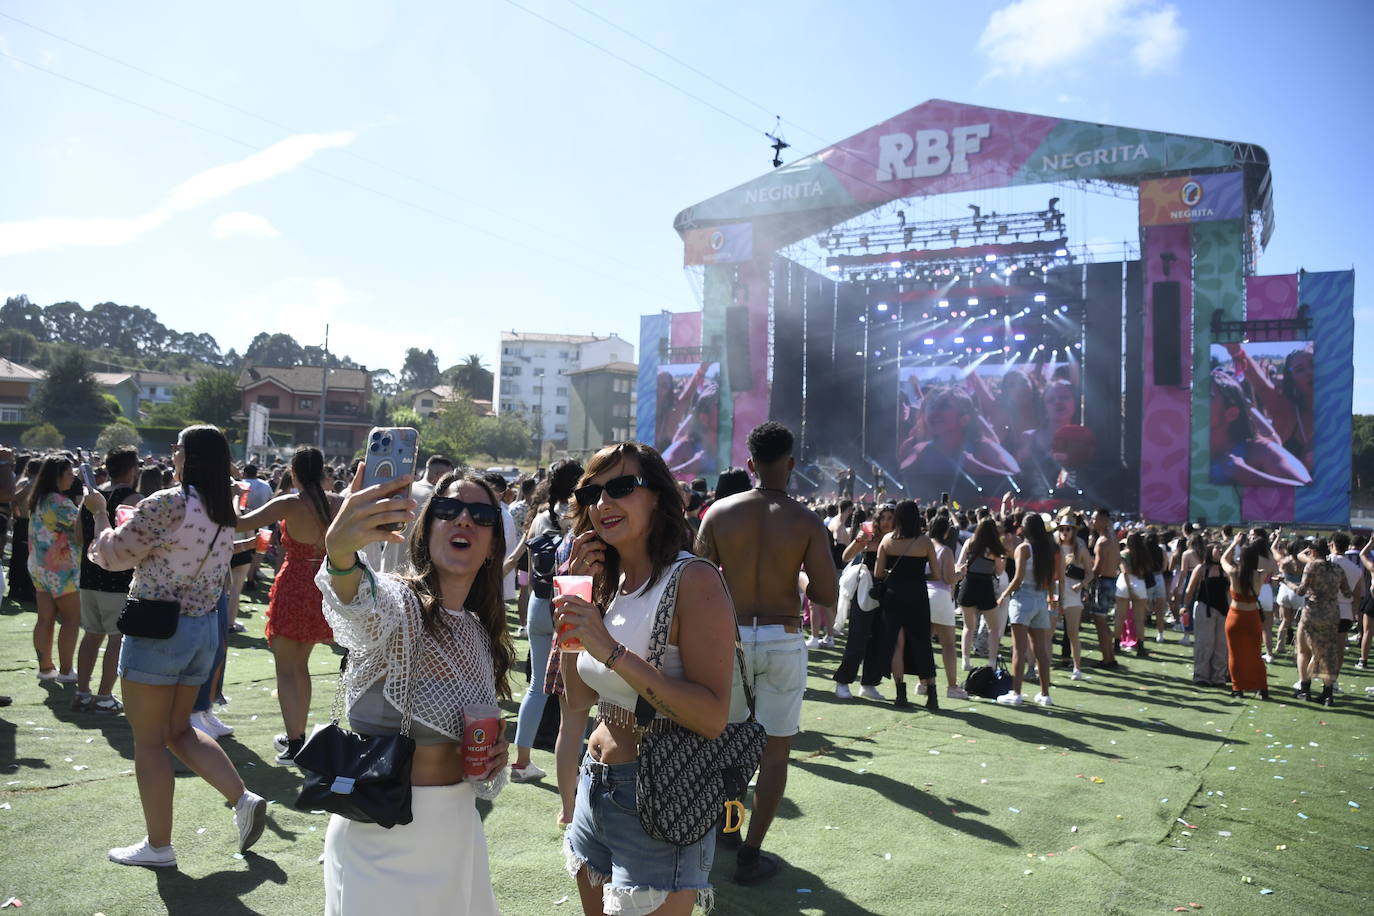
1191	193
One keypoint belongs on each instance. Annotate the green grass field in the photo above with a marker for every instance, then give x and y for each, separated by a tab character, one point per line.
1138	793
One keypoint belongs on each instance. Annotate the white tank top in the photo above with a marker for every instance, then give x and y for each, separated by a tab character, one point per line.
630	620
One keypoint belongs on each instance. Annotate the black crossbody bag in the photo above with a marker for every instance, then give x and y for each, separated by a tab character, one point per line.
685	780
157	618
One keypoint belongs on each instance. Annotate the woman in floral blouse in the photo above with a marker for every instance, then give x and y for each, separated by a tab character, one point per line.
178	544
1320	642
55	567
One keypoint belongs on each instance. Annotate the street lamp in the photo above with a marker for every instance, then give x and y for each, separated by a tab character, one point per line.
539	419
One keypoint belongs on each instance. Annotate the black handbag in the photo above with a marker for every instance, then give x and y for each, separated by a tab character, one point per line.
687	781
1075	572
365	778
880	589
156	618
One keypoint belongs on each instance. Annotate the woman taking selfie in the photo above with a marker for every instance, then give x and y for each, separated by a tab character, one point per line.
295	622
434	641
632	538
178	544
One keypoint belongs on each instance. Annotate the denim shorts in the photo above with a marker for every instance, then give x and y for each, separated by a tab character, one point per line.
186	658
776	661
1030	607
1157	591
1103	596
635	871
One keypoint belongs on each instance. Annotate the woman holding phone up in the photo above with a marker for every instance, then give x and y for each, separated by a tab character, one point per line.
438	636
631	537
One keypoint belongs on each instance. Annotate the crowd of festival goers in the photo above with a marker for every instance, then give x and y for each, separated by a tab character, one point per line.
924	590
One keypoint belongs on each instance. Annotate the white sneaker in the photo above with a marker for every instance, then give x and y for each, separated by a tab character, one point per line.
1187	640
220	729
956	693
1268	659
1160	640
142	854
529	773
1043	699
813	643
843	692
200	723
521	632
250	814
922	690
51	674
871	693
1077	675
1011	699
66	677
967	665
829	641
1336	688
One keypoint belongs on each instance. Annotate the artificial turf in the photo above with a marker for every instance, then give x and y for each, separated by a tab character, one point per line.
1136	793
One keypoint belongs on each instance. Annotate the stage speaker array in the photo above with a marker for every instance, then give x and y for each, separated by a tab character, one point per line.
1168	332
737	347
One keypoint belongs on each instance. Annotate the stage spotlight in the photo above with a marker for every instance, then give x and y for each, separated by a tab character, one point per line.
954	235
863	240
925	315
1018	337
929	341
987	338
1063	309
977	270
882	306
992	312
901	218
1061	252
943	303
894	264
958	340
908	273
990	258
972	301
1001	228
863	319
834	268
1039	297
908	235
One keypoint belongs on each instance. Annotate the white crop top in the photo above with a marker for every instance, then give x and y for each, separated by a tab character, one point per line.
630	620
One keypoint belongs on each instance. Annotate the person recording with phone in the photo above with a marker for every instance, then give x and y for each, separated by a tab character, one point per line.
425	644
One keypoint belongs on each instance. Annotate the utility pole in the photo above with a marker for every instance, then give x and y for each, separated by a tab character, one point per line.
324	384
539	420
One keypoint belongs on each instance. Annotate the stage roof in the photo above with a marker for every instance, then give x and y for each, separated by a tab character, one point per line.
942	147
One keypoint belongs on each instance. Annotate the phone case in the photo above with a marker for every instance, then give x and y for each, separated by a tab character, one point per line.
391	453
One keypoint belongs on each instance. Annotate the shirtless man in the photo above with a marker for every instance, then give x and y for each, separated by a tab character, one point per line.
1106	566
762	539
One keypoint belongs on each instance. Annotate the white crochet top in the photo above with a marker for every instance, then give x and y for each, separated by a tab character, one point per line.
382	629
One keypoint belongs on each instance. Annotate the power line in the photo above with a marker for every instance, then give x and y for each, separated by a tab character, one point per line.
335	177
296	130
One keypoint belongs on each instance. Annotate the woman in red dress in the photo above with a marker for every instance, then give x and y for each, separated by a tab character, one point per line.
295	623
1248	565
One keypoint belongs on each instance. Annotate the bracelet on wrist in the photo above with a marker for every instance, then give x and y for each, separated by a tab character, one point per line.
335	571
614	657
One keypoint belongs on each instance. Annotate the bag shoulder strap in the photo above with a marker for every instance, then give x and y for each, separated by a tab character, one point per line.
408	660
658	638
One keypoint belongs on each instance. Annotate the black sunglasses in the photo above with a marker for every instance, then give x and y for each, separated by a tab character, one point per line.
449	508
617	487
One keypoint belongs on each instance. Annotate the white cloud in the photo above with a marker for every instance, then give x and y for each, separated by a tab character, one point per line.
45	233
242	223
1033	36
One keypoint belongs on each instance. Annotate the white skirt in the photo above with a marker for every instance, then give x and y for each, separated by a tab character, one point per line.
436	864
941	604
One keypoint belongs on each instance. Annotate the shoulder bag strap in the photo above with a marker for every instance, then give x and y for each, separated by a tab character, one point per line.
196	575
658	640
337	708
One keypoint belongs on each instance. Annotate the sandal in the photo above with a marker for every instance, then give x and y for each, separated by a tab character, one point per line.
81	702
108	706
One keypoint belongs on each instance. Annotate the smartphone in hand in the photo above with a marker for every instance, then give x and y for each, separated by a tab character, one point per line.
391	453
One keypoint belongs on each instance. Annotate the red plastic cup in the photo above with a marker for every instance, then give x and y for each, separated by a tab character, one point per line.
581	587
867	528
481	728
264	540
123	513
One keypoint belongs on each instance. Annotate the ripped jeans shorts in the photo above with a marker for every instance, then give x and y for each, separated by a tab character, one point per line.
635	871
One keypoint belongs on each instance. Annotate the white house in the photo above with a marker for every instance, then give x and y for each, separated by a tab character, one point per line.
532	378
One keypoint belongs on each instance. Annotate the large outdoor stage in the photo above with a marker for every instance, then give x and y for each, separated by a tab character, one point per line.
981	353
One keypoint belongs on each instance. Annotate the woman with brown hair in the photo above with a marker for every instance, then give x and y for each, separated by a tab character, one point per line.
295	622
421	646
1247	566
631	537
55	566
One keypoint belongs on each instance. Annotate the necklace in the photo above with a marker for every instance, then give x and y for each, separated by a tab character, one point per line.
771	490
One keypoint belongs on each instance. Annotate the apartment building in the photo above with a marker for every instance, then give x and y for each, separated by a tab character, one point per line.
533	376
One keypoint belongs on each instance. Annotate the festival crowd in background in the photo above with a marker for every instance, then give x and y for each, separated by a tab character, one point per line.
416	579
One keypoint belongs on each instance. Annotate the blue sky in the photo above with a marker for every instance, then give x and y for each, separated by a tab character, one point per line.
429	174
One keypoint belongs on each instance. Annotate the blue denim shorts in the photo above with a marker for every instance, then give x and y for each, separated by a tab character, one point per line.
636	872
1103	595
1030	607
187	657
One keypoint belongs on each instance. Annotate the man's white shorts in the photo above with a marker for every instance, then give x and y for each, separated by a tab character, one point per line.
776	661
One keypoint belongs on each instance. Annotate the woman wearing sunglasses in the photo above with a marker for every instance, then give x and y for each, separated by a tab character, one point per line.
438	637
631	537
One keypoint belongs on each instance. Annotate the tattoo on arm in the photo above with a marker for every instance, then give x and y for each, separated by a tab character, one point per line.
660	703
